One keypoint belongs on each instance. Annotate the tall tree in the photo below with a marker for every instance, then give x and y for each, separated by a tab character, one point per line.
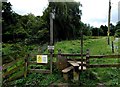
67	19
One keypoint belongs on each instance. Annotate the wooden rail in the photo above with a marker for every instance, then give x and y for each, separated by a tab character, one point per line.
62	64
105	56
103	65
6	73
38	71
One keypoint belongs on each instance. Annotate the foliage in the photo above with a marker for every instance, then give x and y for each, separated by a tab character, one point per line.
117	33
67	17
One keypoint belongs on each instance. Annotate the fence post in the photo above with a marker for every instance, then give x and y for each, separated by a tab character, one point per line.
58	58
26	66
112	47
87	58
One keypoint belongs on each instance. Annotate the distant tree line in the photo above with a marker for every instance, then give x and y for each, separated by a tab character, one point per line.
35	29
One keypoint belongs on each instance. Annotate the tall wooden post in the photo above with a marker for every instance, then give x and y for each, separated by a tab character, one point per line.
51	40
109	12
81	49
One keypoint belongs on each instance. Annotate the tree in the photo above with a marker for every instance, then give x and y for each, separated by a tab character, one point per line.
9	20
117	28
104	29
67	19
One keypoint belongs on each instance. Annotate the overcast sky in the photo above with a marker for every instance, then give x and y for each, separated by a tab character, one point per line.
94	12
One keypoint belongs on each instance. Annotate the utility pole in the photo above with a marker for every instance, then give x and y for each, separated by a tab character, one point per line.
109	13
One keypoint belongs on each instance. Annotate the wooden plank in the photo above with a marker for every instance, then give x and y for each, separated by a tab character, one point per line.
13	70
84	68
5	66
34	62
104	65
38	71
16	76
75	59
105	56
74	64
66	70
34	55
79	62
72	54
70	61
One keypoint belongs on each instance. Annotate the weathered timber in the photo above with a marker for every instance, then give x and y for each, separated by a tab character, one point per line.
75	59
74	64
34	62
105	56
5	66
61	61
104	65
66	70
34	55
13	70
72	54
39	71
15	77
78	62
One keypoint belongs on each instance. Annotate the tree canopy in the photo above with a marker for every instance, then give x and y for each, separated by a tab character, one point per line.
35	29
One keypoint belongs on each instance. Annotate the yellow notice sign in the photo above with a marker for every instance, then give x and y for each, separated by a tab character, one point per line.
42	59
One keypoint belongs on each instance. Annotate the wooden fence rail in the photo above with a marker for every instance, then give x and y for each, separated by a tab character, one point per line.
105	56
62	63
6	73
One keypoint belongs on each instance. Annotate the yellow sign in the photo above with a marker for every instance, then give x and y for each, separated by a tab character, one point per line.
42	59
39	58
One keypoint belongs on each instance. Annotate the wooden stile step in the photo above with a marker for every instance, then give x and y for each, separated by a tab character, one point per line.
66	70
73	63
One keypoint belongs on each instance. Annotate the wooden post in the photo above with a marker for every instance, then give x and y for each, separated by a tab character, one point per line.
109	12
87	58
62	61
58	58
26	66
81	49
65	76
51	39
76	73
112	47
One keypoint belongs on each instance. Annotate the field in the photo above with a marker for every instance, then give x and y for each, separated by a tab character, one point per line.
90	78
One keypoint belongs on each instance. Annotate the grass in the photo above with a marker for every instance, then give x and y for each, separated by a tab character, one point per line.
108	76
89	78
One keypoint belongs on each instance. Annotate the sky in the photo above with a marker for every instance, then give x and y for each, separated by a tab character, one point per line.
94	12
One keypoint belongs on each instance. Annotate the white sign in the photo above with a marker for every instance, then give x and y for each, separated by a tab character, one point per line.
50	47
42	59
